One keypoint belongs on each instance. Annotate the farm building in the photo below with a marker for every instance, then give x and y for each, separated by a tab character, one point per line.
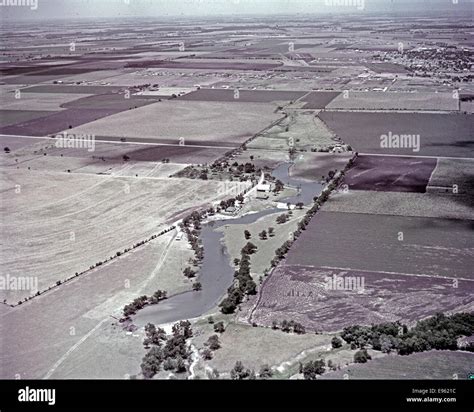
263	191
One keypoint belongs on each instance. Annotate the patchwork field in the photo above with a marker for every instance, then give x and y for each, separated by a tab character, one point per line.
252	96
394	101
406	268
319	100
11	117
398	174
460	206
194	121
37	101
57	122
434	247
453	176
301	293
448	135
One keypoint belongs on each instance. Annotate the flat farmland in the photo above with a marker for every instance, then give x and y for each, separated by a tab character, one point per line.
57	122
53	239
453	174
430	246
315	166
300	129
193	121
390	173
252	96
435	364
106	156
394	101
69	89
12	117
299	292
196	65
319	100
37	101
113	101
448	135
80	313
460	206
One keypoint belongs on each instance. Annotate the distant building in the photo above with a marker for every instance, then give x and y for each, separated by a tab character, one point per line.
263	191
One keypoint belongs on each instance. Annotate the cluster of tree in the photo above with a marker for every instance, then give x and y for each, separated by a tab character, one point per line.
191	225
312	369
189	273
219	327
362	356
213	342
239	372
248	249
283	218
290	326
242	168
224	204
243	284
265	372
171	352
281	252
154	336
158	296
279	186
438	332
336	342
141	302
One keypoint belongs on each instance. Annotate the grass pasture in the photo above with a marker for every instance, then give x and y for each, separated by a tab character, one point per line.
443	365
90	219
193	121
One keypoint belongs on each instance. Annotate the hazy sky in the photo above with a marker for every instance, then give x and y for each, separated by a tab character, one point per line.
46	9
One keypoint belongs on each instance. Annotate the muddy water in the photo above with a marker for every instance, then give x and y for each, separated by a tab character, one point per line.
217	270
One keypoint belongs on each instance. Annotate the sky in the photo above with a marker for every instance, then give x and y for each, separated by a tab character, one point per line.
68	9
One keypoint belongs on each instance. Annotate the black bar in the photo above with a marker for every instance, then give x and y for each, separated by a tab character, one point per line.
347	395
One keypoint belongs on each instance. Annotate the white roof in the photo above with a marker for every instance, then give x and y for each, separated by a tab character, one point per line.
263	187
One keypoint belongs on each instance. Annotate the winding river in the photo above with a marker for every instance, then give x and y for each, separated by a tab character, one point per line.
217	269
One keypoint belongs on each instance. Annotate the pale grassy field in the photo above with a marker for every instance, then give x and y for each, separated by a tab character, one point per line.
37	101
402	204
82	313
394	101
57	224
451	172
426	365
193	121
255	346
302	130
235	240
